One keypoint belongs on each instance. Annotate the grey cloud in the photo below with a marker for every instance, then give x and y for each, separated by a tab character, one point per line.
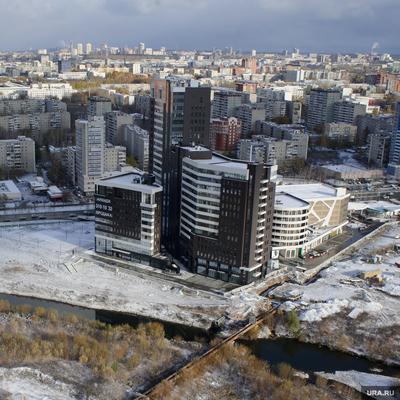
326	25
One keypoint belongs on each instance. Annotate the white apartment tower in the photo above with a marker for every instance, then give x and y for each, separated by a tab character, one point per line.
90	145
89	48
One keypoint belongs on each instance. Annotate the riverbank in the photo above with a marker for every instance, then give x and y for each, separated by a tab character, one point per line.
345	311
53	262
64	356
45	262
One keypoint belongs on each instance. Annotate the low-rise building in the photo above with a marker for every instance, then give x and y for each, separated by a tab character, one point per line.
9	191
340	132
305	216
348	172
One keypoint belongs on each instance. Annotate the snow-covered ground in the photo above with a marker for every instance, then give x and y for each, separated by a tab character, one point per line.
340	286
357	380
49	261
53	261
340	289
27	383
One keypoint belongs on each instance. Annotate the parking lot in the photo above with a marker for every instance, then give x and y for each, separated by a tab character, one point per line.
332	247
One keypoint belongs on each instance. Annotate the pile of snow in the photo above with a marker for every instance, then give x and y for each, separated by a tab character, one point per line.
319	311
243	305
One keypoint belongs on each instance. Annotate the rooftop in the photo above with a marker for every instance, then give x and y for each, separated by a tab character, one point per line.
311	191
8	187
130	181
343	168
283	200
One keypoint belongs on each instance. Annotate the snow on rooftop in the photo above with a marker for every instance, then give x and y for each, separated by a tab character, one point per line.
54	190
357	206
311	191
374	205
283	200
130	181
221	164
8	187
343	168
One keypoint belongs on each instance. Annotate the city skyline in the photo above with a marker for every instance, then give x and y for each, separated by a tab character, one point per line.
326	26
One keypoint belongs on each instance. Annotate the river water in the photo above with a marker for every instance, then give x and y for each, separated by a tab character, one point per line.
111	317
302	356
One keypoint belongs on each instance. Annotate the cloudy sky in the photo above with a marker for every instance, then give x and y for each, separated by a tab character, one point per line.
311	25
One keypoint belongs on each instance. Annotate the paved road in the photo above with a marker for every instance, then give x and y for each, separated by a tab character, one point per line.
43	216
334	245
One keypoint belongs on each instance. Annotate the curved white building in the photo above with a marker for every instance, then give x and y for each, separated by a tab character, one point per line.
290	223
305	216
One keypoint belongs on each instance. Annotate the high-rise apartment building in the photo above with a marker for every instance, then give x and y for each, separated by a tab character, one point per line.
115	122
347	112
226	216
114	157
89	48
79	48
249	114
90	145
340	132
196	116
394	156
64	65
379	148
36	115
274	150
47	90
276	143
98	106
180	112
250	64
136	141
141	48
225	103
320	107
69	162
18	154
370	124
294	111
274	109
